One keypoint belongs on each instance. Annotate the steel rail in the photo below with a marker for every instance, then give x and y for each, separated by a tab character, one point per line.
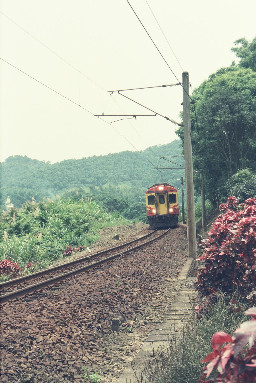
15	281
33	287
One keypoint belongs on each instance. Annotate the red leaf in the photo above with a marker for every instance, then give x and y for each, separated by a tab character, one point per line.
219	338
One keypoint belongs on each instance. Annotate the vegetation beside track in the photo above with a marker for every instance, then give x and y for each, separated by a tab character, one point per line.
38	234
183	362
226	285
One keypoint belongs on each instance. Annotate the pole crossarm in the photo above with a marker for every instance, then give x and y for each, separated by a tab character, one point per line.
170	168
172	156
125	115
151	110
146	87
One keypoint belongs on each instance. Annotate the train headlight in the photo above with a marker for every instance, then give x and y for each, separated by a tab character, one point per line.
154	211
161	188
171	210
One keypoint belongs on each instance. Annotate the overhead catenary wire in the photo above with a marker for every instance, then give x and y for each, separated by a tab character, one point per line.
166	62
184	90
74	68
153	111
150	148
164	59
67	99
166	39
171	161
46	86
142	88
51	50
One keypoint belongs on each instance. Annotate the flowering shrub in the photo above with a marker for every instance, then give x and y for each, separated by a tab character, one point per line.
229	253
234	362
8	267
69	250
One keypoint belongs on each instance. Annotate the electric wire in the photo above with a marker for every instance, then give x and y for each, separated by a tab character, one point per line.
171	161
156	47
166	62
51	50
150	148
159	53
145	87
74	68
164	35
159	114
46	86
59	94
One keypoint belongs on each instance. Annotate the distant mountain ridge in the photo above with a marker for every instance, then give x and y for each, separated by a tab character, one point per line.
23	178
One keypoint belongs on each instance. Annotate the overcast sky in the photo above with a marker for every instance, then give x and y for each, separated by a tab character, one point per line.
60	53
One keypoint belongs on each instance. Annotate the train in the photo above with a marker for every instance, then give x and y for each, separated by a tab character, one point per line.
162	206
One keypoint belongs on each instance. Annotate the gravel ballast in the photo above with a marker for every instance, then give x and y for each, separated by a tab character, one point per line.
50	335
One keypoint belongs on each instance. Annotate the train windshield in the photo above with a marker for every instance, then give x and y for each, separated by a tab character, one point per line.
161	199
151	200
172	198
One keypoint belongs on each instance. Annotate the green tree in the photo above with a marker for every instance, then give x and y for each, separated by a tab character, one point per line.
246	52
242	185
223	126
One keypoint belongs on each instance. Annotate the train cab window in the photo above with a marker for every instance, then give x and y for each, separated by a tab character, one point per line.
172	198
161	199
151	200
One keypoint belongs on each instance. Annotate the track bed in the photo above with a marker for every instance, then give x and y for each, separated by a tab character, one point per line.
49	335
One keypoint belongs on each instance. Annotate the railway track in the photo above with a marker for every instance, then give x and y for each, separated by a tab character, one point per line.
20	286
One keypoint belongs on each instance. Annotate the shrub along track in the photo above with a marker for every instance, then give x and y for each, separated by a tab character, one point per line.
49	335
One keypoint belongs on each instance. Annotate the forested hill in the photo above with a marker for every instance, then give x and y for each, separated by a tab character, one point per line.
128	173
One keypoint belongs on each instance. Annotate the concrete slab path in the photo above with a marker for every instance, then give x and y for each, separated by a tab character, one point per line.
170	328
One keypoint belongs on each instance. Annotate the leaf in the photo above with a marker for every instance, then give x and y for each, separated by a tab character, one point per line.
251	311
210	366
246	333
219	338
210	356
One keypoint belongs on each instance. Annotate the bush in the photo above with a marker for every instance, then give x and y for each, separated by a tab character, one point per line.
8	267
242	185
229	258
235	361
40	233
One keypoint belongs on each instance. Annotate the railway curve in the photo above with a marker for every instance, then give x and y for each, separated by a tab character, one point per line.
49	335
20	286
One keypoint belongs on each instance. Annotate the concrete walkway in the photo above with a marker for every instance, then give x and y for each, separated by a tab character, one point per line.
170	329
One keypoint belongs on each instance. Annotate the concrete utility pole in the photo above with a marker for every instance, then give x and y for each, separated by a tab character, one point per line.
182	200
191	223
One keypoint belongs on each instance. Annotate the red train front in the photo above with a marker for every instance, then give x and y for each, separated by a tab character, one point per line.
162	206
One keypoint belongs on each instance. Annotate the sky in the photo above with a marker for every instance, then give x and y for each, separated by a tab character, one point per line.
60	59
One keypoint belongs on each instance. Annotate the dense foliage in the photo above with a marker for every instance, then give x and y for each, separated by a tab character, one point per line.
229	257
246	52
39	233
125	176
223	120
223	127
242	185
119	200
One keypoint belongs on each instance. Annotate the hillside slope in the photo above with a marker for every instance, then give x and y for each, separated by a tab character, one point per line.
23	178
